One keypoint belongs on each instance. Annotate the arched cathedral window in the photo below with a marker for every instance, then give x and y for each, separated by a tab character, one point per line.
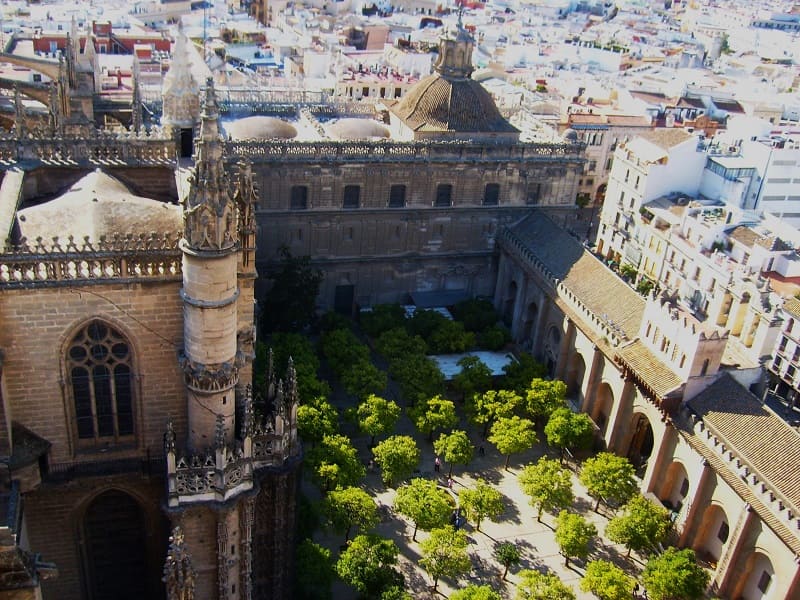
100	377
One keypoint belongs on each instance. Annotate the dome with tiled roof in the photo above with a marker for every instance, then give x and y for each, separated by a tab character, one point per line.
358	129
448	103
98	205
260	128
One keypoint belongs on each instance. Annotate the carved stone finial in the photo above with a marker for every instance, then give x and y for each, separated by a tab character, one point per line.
169	438
248	424
179	575
291	384
219	432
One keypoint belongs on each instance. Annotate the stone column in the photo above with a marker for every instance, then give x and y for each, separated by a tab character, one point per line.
567	344
699	494
666	445
595	375
620	415
724	577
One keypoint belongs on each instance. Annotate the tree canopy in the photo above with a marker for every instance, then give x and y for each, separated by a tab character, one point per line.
444	554
334	462
520	373
397	456
548	484
512	435
544	396
476	592
573	535
317	419
566	429
675	575
641	526
608	478
455	447
362	379
290	303
313	571
484	409
482	501
434	414
534	585
368	564
350	507
425	503
507	554
474	377
607	581
377	416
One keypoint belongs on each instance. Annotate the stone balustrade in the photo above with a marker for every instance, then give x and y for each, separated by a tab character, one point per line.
120	257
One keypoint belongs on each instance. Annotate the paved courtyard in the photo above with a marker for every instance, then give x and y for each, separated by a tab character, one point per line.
518	524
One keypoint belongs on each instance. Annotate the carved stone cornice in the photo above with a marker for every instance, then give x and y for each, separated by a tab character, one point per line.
209	379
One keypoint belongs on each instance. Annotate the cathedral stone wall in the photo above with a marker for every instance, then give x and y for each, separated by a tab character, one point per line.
275	521
39	324
385	252
55	516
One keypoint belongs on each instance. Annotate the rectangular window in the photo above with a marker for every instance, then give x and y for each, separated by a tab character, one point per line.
764	581
534	192
724	531
491	194
298	199
444	193
397	196
352	196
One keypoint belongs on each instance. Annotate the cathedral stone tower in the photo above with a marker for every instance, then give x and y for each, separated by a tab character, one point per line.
181	97
231	490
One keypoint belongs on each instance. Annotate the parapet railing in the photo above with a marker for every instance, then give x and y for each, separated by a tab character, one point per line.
125	257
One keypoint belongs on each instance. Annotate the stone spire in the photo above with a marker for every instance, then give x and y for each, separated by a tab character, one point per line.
19	113
210	220
455	51
54	112
179	575
136	98
181	91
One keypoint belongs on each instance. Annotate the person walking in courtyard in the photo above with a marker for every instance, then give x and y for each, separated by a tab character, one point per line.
437	464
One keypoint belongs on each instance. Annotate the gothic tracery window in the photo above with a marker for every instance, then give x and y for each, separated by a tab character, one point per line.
101	380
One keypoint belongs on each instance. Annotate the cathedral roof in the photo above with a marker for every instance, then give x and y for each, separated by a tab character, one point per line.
98	205
260	128
440	104
358	129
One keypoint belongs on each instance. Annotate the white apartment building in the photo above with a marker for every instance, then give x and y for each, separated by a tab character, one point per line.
708	254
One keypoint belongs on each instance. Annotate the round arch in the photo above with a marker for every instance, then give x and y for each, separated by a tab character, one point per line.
113	541
529	327
509	303
574	377
603	403
642	440
758	580
675	486
713	533
552	345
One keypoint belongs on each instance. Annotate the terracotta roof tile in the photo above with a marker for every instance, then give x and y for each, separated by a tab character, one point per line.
598	288
792	306
649	368
754	433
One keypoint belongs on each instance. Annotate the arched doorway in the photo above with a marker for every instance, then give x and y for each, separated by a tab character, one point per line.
508	305
529	329
114	542
600	194
713	533
675	487
759	579
551	348
603	403
642	441
574	377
